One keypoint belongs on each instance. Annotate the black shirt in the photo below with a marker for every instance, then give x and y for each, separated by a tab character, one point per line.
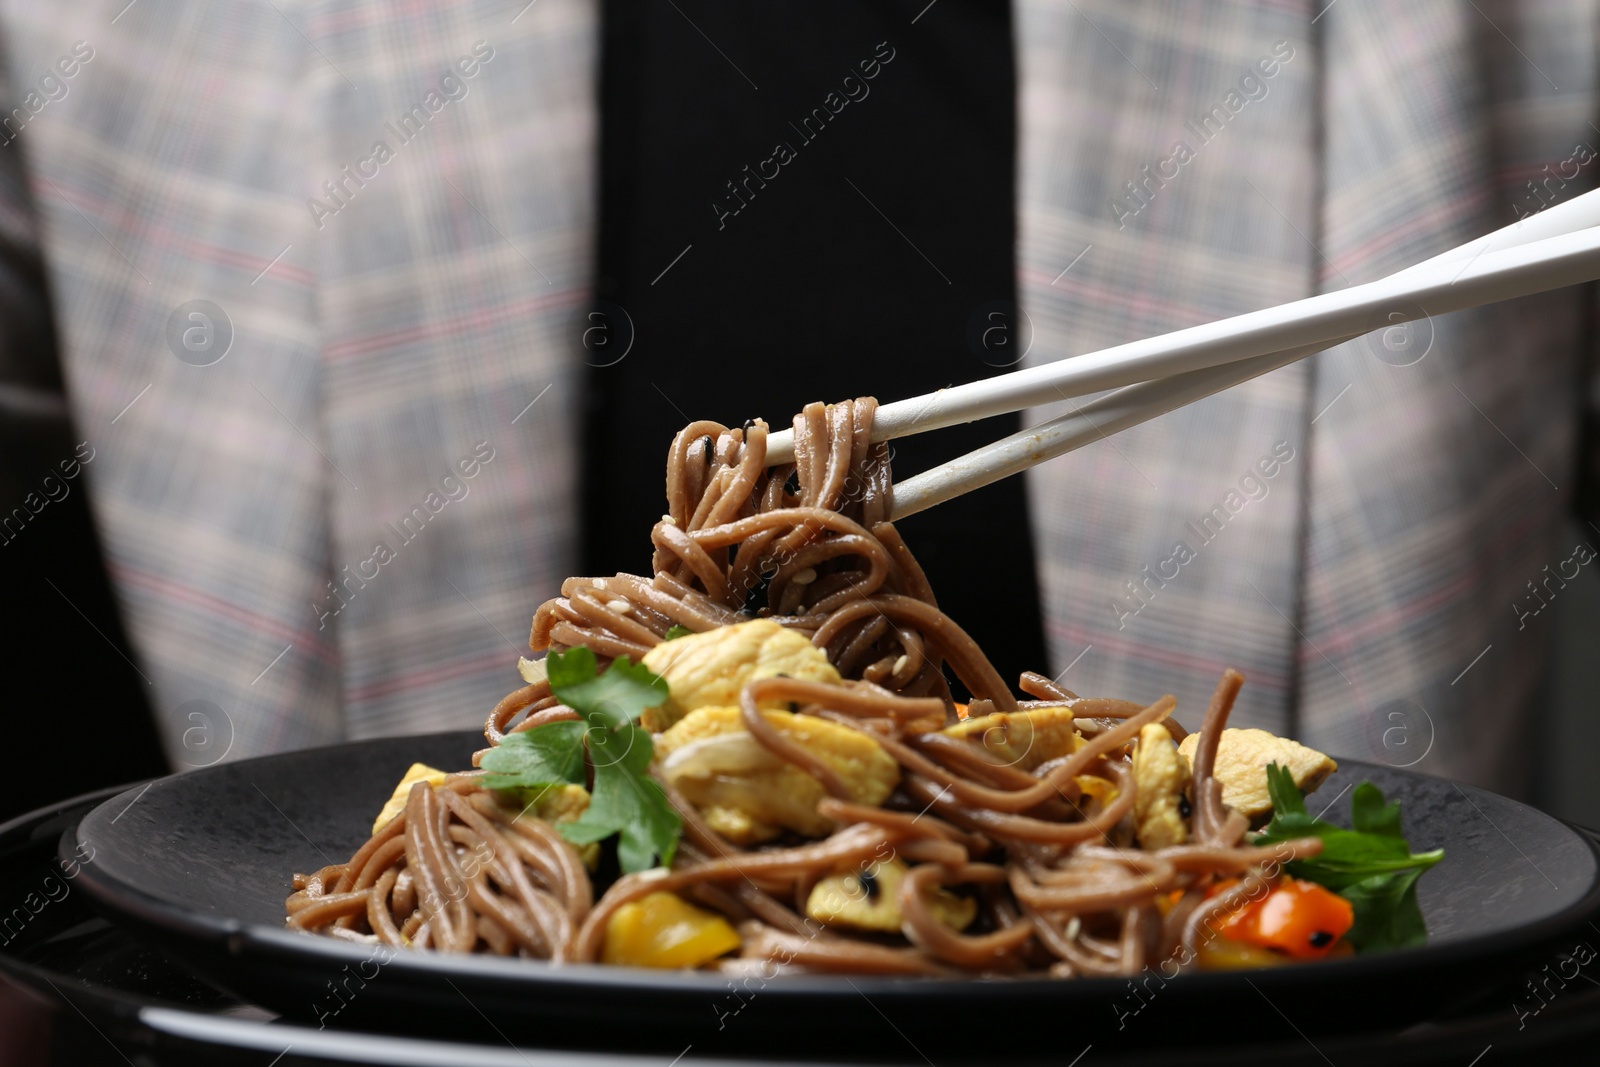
799	202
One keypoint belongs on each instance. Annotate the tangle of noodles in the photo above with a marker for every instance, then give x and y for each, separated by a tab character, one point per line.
1061	887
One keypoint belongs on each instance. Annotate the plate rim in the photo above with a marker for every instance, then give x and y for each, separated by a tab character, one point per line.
230	1032
238	936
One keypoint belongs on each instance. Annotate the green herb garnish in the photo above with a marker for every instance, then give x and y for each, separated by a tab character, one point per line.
1370	865
625	799
676	631
536	759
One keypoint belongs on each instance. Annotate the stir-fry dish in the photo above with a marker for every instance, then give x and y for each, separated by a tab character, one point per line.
754	758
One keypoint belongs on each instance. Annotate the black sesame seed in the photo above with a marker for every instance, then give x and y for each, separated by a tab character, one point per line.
869	882
755	595
1185	809
1321	939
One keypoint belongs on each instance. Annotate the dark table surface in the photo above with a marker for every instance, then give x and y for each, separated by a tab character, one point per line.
75	989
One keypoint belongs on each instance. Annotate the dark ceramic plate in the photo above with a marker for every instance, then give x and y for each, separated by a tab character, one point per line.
201	862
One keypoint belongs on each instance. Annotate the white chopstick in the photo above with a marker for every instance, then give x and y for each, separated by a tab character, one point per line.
1491	273
1114	411
1097	419
1579	213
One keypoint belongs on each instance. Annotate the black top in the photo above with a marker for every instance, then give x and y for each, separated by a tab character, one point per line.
810	203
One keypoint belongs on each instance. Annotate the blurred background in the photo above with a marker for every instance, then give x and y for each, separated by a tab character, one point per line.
334	335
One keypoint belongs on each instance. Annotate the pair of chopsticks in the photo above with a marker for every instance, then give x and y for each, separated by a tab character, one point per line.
1558	247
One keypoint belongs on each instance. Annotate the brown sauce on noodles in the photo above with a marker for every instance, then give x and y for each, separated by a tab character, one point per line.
1060	886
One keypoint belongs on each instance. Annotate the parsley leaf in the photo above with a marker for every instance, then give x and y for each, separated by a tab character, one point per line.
534	759
613	699
1386	911
625	800
675	631
1371	865
1286	798
1370	815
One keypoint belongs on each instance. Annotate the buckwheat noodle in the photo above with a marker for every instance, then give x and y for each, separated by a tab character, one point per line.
1061	887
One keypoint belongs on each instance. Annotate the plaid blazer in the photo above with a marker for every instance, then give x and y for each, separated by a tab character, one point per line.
314	265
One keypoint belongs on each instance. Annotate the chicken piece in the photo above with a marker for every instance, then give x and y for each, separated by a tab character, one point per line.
417	772
1161	778
1023	739
556	804
869	899
533	671
1242	758
709	669
749	795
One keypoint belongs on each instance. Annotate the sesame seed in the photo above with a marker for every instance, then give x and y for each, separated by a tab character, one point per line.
900	664
620	606
805	577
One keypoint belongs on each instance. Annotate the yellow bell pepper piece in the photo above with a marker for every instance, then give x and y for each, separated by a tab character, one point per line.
663	930
1225	954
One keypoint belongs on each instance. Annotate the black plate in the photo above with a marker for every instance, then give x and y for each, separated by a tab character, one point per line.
202	862
135	1004
119	1000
